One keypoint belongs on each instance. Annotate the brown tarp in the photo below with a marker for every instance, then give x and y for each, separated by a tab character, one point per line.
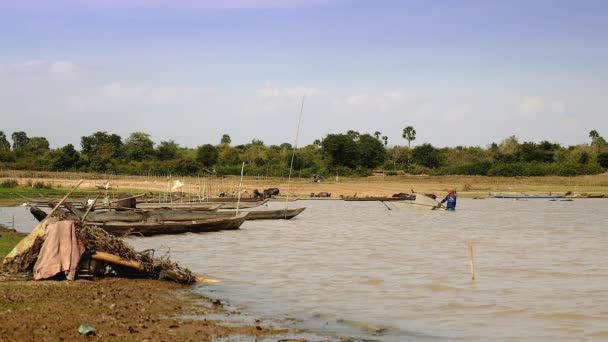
60	252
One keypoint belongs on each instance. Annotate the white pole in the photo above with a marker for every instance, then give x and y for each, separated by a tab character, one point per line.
293	154
238	201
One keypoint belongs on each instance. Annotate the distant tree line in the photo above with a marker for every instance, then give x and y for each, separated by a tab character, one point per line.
348	154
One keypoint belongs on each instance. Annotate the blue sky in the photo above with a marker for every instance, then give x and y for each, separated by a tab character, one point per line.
461	72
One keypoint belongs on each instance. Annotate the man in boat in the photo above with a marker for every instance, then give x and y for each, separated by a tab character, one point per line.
450	199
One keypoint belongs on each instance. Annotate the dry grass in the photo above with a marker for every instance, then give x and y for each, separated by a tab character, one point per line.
377	185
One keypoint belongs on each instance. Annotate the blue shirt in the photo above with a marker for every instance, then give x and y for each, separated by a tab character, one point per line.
451	202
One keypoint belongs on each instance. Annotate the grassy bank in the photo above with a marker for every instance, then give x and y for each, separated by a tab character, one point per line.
8	240
377	185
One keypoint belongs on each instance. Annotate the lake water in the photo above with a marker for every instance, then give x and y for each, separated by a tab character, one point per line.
358	269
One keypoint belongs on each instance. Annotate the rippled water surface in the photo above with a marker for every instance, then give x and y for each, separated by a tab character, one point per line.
358	269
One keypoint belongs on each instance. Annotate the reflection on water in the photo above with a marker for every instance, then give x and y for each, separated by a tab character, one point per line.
358	269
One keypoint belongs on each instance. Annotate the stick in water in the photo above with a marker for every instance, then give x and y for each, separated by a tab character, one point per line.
238	201
471	260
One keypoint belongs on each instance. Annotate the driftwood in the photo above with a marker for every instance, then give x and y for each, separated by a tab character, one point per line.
116	260
129	263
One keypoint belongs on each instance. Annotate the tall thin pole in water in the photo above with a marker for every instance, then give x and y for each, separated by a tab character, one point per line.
471	260
238	201
293	153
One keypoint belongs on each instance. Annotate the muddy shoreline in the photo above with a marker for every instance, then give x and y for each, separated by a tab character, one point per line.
119	309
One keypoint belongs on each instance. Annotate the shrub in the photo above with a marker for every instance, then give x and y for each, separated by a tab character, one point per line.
41	185
9	183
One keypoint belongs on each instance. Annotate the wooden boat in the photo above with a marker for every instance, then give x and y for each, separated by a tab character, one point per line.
280	214
528	196
213	224
382	199
243	205
184	206
161	221
200	206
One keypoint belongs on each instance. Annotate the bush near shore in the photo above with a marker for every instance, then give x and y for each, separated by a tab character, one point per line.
348	154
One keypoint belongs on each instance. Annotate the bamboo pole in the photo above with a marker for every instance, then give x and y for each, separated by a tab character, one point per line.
293	154
238	201
471	260
84	217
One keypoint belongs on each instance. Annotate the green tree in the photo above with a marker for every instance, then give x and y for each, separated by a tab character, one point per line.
377	134
225	139
207	154
602	159
385	139
354	135
37	145
409	134
101	143
4	144
340	150
64	158
138	146
593	135
583	158
228	155
20	140
371	152
167	150
426	155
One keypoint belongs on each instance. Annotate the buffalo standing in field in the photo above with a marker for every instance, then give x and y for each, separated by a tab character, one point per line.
267	193
320	194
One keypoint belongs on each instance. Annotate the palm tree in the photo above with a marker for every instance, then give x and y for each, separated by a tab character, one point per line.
385	138
409	134
377	134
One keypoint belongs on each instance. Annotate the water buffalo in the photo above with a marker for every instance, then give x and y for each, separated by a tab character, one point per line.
323	194
257	194
268	193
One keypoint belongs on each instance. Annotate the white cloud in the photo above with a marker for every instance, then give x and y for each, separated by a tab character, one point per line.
534	106
56	68
272	92
531	105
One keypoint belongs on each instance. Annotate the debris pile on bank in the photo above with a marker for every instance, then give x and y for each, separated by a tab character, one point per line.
59	248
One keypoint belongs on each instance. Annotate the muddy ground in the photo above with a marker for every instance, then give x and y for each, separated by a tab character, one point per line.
119	309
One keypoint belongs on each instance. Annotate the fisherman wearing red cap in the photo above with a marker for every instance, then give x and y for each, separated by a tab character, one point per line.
451	199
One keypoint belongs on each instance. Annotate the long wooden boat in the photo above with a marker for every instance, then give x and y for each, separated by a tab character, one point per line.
382	199
279	214
200	206
162	221
214	224
185	206
526	196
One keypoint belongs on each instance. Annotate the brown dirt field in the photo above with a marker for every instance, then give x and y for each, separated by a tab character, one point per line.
377	185
119	309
